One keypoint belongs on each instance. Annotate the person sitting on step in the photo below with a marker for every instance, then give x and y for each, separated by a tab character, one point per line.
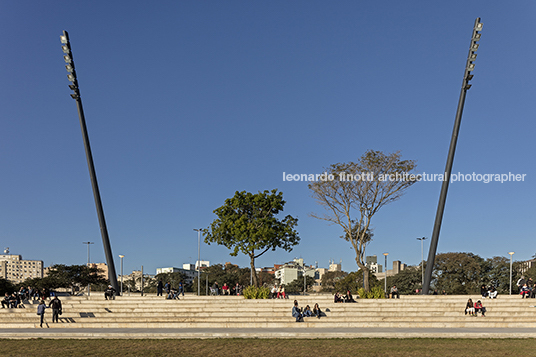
337	297
394	292
307	311
480	308
296	312
316	311
348	297
225	289
525	291
470	308
492	292
484	291
109	293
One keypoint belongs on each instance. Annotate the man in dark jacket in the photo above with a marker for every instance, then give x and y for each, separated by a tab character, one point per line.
159	288
6	301
109	293
55	304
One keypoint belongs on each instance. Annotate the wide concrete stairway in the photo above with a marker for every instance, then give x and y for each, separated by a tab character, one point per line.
236	312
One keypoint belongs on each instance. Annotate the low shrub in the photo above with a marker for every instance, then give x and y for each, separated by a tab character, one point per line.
252	292
374	293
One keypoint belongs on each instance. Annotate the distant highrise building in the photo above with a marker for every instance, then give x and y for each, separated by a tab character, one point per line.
14	269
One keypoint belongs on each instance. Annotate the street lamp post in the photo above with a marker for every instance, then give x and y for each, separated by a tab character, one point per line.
71	76
422	259
385	254
304	280
511	254
198	261
121	256
142	280
467	76
88	285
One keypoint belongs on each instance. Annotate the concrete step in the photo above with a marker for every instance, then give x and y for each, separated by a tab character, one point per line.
253	325
250	319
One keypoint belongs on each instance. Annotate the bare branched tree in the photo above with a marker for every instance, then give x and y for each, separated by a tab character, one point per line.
353	192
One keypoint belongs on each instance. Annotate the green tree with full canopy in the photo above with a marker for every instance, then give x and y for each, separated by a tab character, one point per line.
407	280
68	276
459	273
247	223
352	193
173	278
6	286
330	278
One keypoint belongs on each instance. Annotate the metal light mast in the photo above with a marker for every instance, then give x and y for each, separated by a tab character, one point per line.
68	57
467	76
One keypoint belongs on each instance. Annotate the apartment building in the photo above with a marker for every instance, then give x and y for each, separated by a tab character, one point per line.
15	269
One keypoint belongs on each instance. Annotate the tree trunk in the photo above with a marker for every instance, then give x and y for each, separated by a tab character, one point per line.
365	274
253	272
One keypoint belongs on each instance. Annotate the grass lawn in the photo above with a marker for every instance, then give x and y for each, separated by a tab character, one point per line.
271	347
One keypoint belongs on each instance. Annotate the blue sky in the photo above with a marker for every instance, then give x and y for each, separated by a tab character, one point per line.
187	102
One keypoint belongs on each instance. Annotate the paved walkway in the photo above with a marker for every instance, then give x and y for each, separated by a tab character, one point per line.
298	332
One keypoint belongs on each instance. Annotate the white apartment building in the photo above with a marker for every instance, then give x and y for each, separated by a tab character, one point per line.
291	271
14	269
190	274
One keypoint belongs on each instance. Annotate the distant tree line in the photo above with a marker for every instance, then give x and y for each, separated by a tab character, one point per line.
454	273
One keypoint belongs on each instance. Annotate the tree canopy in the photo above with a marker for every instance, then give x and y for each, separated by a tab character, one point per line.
461	273
330	278
247	223
408	280
173	278
352	193
6	287
68	276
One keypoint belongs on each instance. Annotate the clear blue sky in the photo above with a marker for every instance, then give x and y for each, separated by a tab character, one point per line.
187	102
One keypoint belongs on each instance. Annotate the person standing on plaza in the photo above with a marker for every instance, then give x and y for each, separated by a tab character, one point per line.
41	311
159	288
55	304
167	287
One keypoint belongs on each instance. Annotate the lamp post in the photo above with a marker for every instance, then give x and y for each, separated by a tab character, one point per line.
385	254
142	280
511	254
467	76
198	261
121	257
71	76
422	259
88	243
304	280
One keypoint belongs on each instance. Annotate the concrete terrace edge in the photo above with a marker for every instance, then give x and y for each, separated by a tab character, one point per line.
287	333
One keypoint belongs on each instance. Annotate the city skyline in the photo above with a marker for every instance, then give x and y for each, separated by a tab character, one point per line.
187	103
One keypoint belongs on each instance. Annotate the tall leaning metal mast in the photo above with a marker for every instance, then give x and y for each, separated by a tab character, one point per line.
469	67
68	57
